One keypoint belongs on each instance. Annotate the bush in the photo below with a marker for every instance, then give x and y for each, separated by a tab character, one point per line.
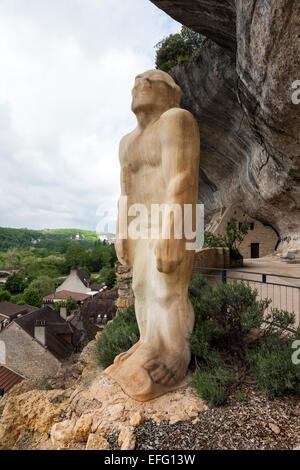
211	385
111	279
224	315
32	297
44	284
119	336
5	295
177	48
233	237
271	361
15	283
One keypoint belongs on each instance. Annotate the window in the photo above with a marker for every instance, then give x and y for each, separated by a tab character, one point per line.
251	225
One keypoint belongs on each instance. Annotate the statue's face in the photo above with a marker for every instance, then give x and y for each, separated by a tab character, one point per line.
152	88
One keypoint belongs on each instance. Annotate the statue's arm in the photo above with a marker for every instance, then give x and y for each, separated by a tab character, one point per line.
180	141
121	244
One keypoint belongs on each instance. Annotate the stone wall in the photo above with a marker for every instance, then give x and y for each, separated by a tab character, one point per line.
125	292
211	258
26	356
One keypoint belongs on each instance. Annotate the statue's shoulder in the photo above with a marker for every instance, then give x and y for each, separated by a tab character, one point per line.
125	138
177	116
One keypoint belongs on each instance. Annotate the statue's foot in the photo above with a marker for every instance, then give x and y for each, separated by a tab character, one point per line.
125	355
166	371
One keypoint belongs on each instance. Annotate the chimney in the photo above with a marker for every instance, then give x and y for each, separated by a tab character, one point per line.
63	312
40	331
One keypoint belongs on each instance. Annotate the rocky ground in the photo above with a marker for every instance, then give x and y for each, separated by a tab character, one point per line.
87	410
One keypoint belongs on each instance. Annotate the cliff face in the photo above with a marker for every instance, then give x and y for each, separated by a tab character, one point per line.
240	90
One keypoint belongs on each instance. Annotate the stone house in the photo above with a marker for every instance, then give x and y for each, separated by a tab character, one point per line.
101	308
261	239
36	344
10	311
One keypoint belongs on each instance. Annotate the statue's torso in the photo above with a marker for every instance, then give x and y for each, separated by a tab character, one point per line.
141	163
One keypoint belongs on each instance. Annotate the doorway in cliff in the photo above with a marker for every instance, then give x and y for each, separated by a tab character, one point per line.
254	250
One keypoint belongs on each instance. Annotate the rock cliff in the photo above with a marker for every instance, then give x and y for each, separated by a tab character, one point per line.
240	90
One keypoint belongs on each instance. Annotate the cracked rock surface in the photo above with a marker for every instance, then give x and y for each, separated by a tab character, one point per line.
240	91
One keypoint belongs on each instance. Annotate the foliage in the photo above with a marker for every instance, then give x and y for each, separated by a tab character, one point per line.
233	237
211	384
11	258
111	279
5	295
279	319
32	297
225	314
54	239
177	48
70	304
16	238
119	336
213	241
271	361
44	284
15	283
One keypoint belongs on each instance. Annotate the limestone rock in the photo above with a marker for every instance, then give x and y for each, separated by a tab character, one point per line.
240	91
127	439
61	434
82	428
136	419
97	442
36	410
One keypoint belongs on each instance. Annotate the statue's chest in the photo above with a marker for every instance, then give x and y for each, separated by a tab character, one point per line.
142	153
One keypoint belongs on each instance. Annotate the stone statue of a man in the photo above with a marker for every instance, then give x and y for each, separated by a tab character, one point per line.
159	165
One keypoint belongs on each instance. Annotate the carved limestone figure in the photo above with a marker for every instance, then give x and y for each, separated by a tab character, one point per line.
159	165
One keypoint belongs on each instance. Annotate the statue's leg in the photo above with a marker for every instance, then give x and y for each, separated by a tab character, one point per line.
165	317
139	283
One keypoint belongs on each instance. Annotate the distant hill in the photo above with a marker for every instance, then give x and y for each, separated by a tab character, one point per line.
23	238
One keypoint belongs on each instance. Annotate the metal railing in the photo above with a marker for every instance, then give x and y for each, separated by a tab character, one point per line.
284	296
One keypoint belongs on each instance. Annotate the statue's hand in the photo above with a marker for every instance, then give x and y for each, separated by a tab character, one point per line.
169	254
122	251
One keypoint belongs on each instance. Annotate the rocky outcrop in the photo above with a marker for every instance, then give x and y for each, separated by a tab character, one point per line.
84	414
125	292
240	91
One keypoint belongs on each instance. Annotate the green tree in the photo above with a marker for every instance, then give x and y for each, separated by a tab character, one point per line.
15	283
44	284
110	279
233	237
5	295
75	256
176	48
11	258
32	297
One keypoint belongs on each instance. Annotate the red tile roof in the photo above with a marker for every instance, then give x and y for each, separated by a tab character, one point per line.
8	378
64	294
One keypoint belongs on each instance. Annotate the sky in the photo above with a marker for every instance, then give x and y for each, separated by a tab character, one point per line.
67	68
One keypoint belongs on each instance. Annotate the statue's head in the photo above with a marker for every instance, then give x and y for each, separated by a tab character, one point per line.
155	89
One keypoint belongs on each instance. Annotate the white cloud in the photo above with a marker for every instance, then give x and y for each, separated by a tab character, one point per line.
67	69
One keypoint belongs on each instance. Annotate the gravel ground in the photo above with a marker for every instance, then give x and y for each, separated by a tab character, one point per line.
256	423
